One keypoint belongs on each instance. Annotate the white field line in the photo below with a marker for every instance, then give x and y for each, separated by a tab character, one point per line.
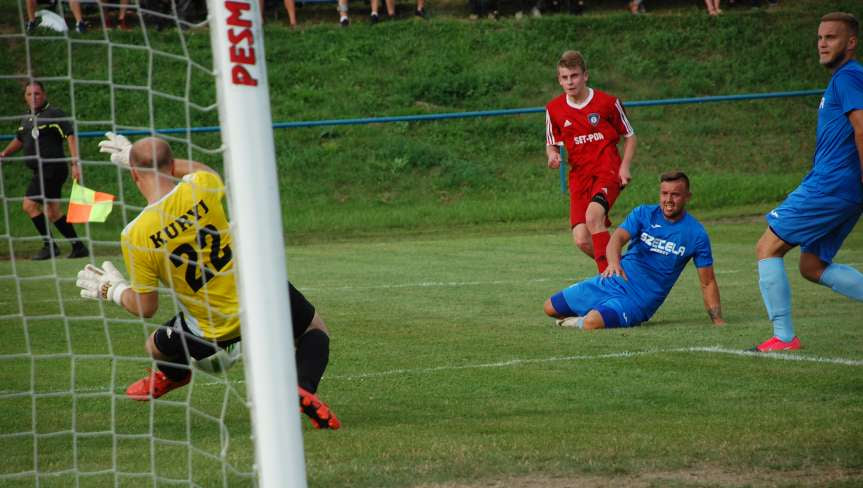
519	362
613	355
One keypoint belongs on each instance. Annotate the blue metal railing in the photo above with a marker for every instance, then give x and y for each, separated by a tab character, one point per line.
459	115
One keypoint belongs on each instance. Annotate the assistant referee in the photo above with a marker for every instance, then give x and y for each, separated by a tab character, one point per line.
41	134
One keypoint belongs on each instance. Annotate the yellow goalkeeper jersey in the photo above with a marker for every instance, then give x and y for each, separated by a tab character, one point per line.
184	241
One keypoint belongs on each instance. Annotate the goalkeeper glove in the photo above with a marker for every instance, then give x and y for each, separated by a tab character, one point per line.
118	146
106	283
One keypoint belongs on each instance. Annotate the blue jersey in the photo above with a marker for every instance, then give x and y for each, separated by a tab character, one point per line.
836	164
658	251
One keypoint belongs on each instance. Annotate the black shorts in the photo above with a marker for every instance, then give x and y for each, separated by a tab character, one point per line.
302	312
49	186
174	338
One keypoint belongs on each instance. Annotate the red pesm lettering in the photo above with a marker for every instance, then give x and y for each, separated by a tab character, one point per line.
241	76
236	9
240	54
244	35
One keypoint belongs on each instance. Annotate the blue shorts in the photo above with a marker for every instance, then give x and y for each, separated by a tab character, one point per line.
817	223
604	295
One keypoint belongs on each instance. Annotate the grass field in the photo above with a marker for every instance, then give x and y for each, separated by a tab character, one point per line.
429	249
445	372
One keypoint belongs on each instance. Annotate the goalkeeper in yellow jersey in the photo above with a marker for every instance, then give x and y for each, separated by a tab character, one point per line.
183	240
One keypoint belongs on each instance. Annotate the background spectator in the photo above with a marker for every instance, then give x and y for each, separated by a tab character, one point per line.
712	7
344	21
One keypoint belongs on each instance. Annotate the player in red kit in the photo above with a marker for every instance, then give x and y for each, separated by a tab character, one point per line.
589	124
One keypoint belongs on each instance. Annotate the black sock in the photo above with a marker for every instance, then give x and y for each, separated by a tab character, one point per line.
313	353
42	228
67	230
175	371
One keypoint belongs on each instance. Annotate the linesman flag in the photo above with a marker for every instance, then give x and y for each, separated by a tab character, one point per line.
86	205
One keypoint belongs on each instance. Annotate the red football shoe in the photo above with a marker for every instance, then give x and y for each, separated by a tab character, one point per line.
154	385
775	344
317	411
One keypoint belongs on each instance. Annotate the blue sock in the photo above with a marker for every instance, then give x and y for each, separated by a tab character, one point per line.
776	292
844	279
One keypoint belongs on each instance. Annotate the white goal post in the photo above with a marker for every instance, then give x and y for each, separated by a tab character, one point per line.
244	113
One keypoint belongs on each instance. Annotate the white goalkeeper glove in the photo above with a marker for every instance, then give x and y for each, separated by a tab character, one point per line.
118	146
105	283
223	360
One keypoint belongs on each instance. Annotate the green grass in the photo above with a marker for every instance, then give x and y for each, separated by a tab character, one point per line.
444	370
429	249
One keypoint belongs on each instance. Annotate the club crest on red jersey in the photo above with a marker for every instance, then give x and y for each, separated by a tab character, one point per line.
593	119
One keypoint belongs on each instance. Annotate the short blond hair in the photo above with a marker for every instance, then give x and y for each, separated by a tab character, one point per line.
850	21
572	60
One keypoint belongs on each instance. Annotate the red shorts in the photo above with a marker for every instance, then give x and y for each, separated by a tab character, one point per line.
583	188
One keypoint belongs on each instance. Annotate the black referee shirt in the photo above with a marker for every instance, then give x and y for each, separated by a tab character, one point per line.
48	127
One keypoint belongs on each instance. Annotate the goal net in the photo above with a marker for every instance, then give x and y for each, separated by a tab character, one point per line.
196	79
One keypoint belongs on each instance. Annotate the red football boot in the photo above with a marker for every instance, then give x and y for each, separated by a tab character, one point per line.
775	344
154	385
317	411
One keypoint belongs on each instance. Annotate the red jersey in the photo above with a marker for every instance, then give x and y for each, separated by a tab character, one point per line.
590	131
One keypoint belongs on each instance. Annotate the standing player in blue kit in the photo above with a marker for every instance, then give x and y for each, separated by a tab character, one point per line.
823	210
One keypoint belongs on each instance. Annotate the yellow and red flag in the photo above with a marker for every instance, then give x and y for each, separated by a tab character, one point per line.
86	205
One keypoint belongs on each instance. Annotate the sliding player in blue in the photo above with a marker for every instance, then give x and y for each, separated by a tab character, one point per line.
823	210
662	239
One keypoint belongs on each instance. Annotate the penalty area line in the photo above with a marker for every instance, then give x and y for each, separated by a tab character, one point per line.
612	355
518	362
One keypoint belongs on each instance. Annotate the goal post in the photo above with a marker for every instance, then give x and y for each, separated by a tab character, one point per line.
236	35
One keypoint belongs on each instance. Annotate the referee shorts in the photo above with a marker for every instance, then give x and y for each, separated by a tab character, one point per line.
49	186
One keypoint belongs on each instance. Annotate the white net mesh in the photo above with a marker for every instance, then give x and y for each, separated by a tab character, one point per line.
65	362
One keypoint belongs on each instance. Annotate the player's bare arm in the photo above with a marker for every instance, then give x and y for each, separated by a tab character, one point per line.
856	119
625	174
710	292
613	251
143	305
553	153
13	147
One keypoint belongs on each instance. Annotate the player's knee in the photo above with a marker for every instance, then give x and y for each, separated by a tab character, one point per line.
770	246
583	242
594	218
150	345
811	267
30	207
52	212
585	247
548	307
593	321
317	323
